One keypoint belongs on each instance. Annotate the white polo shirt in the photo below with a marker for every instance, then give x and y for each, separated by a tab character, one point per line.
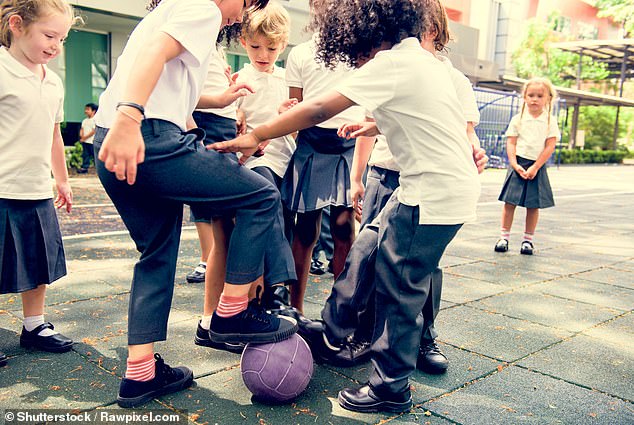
194	24
381	155
29	109
88	125
532	133
303	71
262	106
420	116
216	82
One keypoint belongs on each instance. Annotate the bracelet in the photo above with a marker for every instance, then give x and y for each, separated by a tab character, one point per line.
138	121
136	106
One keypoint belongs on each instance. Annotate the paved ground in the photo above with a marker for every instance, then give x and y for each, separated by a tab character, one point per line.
546	339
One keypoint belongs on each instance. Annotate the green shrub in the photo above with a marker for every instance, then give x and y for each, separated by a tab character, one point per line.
73	156
577	156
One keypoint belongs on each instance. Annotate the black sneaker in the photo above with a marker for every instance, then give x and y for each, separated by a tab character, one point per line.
329	268
167	380
252	325
202	338
502	245
198	275
431	360
353	352
526	248
3	359
317	267
323	347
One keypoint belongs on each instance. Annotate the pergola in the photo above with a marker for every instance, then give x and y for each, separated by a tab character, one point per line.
618	55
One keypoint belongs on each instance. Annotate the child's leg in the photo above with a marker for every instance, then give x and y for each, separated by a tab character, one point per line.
33	301
532	216
342	231
216	266
205	238
507	220
305	234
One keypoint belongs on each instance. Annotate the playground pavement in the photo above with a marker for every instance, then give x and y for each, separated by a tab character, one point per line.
547	339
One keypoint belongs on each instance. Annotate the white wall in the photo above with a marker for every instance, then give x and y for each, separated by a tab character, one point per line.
123	7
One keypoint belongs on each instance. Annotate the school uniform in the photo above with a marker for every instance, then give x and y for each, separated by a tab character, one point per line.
426	132
318	174
31	249
177	170
87	126
531	136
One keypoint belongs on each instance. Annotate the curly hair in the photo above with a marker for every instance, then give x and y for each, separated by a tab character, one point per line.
230	34
351	30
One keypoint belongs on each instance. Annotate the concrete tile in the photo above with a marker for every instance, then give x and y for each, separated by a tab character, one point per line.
499	273
458	289
589	292
619	329
494	335
610	276
547	310
518	396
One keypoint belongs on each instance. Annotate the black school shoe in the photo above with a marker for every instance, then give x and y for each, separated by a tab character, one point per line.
252	325
326	349
353	351
526	248
431	360
502	245
166	381
198	274
57	343
3	359
366	399
202	338
317	268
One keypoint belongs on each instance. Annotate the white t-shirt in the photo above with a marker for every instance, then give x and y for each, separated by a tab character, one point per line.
88	125
425	130
195	25
29	110
303	71
260	107
381	155
216	82
532	133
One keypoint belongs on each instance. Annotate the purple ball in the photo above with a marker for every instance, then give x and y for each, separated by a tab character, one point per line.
279	371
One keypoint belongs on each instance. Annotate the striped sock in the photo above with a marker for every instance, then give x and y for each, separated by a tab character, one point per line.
141	369
505	233
528	237
230	306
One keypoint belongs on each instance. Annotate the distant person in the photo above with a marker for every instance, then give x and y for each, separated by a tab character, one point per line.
32	108
86	134
531	139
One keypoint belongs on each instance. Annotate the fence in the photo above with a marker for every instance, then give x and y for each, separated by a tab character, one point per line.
496	110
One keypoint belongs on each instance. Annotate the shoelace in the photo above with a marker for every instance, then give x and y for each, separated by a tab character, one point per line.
256	311
162	369
432	347
355	345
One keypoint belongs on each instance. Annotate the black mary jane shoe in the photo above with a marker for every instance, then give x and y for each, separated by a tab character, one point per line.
57	343
366	400
526	248
3	359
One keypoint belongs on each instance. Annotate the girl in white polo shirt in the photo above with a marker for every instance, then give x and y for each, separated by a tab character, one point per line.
531	139
150	165
426	132
32	108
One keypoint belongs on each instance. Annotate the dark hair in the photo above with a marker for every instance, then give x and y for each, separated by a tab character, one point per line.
92	106
257	4
230	33
349	30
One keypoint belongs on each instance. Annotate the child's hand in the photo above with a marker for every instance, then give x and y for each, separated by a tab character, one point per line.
234	92
123	148
354	130
247	144
520	170
241	122
357	191
286	105
230	77
531	173
258	152
64	196
480	158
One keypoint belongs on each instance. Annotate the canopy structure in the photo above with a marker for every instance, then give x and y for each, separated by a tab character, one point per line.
618	55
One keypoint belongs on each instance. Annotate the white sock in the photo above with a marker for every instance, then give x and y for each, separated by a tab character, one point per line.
33	322
205	322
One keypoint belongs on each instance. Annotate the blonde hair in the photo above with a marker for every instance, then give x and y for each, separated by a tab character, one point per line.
273	22
30	11
438	25
552	92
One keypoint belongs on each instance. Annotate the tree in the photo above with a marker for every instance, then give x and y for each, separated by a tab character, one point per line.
621	11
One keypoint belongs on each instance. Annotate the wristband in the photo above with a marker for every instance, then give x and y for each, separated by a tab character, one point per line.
136	106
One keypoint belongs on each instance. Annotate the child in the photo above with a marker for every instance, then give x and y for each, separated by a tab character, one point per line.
86	136
425	130
354	289
142	120
531	139
319	172
32	106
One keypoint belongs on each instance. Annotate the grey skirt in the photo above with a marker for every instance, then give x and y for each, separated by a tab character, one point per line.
318	174
535	193
31	249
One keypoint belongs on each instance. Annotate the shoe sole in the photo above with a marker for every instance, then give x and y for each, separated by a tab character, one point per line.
526	252
379	406
186	382
432	370
33	345
232	348
256	338
194	280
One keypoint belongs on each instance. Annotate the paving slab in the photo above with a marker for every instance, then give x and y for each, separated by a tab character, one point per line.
518	396
611	276
494	335
588	292
458	289
547	310
500	273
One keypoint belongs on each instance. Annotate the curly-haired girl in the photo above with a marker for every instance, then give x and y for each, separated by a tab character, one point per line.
420	115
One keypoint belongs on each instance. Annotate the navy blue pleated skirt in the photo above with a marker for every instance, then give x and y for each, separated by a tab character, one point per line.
31	249
535	193
318	174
